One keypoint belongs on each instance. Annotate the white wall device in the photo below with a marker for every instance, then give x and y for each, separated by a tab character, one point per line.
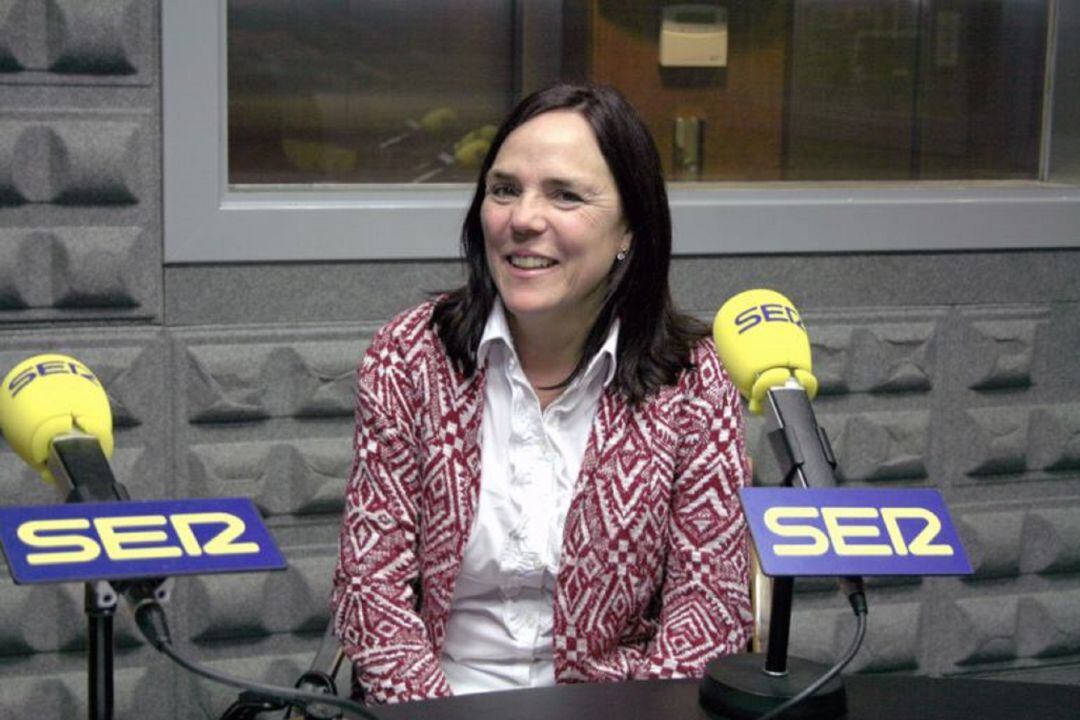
694	36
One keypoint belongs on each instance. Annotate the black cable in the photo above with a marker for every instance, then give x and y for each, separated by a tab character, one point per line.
150	618
858	604
291	696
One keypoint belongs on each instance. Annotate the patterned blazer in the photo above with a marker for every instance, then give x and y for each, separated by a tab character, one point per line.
653	580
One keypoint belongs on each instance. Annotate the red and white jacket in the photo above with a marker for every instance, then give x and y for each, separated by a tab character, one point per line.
653	579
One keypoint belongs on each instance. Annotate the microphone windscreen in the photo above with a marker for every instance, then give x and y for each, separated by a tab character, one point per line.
762	342
49	395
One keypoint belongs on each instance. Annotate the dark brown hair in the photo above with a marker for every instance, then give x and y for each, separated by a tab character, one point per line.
654	339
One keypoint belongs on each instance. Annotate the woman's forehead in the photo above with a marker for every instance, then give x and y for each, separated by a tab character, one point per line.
560	144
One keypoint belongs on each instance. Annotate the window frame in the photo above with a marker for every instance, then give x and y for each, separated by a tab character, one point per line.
206	221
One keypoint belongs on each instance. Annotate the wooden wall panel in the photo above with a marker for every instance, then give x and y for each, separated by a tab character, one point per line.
741	104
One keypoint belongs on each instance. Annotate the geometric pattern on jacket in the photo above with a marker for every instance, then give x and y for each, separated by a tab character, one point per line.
653	577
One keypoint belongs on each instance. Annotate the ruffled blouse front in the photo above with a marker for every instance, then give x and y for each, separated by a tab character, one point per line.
499	634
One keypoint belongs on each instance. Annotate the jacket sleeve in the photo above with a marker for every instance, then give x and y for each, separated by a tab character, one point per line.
373	598
705	602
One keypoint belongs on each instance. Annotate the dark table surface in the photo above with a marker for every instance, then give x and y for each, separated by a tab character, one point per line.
872	697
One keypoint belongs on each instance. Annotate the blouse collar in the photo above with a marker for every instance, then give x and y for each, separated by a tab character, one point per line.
497	331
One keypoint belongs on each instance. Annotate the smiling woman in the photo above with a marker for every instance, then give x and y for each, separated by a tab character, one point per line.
553	229
595	166
547	459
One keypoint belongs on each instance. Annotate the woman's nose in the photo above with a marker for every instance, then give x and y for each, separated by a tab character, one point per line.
527	215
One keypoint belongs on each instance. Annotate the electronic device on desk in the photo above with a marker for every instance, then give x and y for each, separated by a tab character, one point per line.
694	35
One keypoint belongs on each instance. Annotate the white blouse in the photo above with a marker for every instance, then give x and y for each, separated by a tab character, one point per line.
499	635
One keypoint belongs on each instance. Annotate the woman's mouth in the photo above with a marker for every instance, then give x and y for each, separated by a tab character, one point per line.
530	262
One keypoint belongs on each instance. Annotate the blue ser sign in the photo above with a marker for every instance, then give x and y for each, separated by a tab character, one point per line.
146	538
841	531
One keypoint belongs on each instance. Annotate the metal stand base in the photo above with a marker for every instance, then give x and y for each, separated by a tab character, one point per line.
737	687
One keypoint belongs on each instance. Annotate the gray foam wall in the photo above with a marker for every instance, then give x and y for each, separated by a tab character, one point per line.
952	370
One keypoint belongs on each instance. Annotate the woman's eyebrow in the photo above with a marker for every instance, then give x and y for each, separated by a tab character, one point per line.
580	184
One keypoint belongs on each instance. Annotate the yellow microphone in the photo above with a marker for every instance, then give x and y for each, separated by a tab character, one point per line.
51	398
762	342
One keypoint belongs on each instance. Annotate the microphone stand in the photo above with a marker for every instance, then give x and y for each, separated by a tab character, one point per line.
100	606
92	482
740	686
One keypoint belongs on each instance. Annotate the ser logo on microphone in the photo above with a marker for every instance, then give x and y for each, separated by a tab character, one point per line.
841	528
853	531
49	367
134	537
142	538
754	315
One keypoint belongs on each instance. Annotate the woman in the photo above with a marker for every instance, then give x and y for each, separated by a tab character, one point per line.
547	458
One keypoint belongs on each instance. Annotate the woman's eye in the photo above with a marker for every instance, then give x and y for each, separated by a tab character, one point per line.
501	191
567	196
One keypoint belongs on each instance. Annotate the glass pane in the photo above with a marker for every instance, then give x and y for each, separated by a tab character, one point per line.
981	94
915	90
363	91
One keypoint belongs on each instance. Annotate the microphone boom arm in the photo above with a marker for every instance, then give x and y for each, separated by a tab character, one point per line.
800	445
94	481
81	469
806	457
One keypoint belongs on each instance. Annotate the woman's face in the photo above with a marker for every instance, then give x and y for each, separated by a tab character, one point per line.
552	220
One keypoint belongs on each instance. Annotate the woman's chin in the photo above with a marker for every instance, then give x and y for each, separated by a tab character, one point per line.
525	309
